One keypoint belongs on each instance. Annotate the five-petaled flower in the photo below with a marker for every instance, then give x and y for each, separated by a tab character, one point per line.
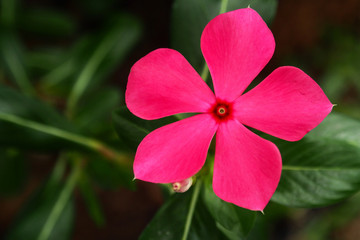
287	104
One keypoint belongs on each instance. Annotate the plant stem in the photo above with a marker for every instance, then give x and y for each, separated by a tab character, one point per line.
190	214
223	7
90	143
87	73
18	71
59	169
61	202
205	72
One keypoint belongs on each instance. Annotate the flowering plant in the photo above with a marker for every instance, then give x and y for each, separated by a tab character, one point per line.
287	104
222	137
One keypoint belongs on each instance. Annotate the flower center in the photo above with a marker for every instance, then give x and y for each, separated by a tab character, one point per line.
221	110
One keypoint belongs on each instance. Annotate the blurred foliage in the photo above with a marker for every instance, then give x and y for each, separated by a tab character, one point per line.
57	98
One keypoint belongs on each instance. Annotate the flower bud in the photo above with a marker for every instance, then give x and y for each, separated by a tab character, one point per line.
182	186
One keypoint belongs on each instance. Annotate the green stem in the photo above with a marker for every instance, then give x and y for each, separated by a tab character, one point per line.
87	73
90	143
59	169
223	7
18	71
205	72
58	74
61	202
190	214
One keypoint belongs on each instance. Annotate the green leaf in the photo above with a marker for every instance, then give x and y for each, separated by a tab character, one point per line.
233	221
13	103
94	113
91	201
12	61
324	167
338	127
132	129
35	213
13	172
189	18
59	80
115	44
109	175
42	60
169	222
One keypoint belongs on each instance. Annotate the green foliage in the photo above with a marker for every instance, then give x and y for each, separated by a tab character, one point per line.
32	219
109	175
12	60
56	99
132	129
170	220
234	222
91	200
97	109
14	104
324	167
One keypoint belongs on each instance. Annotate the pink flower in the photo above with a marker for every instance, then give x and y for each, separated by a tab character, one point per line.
287	104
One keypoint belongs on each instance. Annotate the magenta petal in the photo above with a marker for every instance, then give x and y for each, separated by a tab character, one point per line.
176	151
247	168
287	104
163	83
236	46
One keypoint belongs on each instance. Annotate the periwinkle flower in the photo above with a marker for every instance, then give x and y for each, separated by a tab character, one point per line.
247	168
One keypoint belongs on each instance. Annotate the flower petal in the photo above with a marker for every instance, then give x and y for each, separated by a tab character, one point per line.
287	104
176	151
163	83
236	46
247	168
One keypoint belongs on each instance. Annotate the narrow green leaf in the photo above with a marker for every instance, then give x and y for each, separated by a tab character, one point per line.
12	59
119	39
35	213
91	200
28	123
59	206
94	113
59	80
15	107
324	167
42	60
233	221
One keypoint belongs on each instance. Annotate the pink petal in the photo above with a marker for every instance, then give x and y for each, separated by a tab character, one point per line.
176	151
287	104
163	83
247	168
236	46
